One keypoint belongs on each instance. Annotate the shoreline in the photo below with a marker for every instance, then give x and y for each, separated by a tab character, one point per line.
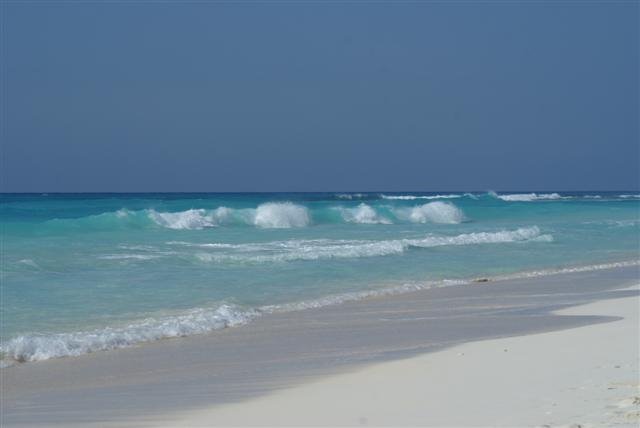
237	316
288	349
560	378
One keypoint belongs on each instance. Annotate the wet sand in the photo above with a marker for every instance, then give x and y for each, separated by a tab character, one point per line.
586	376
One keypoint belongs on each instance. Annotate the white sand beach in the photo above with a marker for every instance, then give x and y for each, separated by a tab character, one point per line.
585	376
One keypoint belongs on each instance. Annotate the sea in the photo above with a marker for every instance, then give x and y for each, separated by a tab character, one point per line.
83	273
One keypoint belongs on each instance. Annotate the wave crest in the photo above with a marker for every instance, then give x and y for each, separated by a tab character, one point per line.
281	215
190	219
363	214
432	212
268	215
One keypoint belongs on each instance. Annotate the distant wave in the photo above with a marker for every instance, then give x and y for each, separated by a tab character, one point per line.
531	197
414	197
615	223
350	196
270	215
37	347
512	197
526	197
438	209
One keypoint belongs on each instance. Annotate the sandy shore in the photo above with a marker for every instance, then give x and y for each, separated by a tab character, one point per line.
432	357
587	376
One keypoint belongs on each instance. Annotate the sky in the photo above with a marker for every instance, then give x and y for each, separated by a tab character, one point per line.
319	96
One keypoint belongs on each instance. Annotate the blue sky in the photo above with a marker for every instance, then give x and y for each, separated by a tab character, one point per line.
293	96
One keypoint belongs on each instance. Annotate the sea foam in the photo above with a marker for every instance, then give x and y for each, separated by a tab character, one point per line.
363	214
527	197
317	249
524	234
42	347
414	197
432	212
281	215
267	215
190	219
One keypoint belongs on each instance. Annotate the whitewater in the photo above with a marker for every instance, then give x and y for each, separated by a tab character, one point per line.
83	273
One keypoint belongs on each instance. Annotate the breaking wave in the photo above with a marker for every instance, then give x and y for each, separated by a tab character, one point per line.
363	214
281	215
190	219
432	212
383	209
43	347
268	215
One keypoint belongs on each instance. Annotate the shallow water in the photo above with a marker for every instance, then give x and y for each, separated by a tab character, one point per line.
83	272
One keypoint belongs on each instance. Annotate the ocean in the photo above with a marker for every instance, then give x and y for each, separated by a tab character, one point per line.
82	273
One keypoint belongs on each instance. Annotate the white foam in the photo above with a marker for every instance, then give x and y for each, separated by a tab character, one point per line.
350	196
524	234
413	197
129	256
190	219
197	321
573	269
29	262
268	215
316	249
286	251
526	197
432	212
629	196
122	213
615	223
223	215
281	215
337	299
363	214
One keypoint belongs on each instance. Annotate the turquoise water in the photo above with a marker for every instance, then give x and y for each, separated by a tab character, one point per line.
83	272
